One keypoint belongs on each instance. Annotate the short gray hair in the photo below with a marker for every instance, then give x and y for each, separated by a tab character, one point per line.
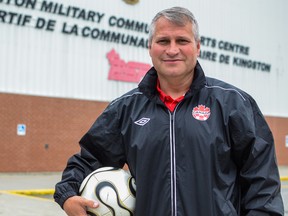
177	15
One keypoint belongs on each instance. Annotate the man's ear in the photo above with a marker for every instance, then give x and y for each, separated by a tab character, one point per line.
198	48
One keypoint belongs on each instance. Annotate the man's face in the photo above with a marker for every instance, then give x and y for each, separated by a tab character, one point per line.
173	49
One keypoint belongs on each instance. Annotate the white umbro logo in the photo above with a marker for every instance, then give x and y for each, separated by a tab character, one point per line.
142	121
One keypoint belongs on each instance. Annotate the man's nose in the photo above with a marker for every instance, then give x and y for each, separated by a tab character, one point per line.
172	49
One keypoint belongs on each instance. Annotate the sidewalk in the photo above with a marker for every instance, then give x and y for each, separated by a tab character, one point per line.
23	205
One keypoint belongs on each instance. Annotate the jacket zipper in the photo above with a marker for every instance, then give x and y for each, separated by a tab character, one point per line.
173	163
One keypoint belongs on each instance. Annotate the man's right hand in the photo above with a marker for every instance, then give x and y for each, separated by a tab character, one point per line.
77	206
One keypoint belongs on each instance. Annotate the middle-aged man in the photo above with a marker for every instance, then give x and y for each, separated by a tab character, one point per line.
196	146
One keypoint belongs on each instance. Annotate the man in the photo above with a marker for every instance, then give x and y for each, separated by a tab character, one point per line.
195	145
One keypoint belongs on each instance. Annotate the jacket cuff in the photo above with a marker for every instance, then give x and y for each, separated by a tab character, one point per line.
60	199
65	191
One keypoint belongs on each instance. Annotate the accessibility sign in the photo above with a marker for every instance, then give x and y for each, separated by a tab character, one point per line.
21	129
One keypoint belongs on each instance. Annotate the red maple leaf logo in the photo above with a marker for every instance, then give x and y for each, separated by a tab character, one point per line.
201	112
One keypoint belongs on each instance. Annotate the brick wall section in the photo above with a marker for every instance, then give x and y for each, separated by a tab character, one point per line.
279	127
54	127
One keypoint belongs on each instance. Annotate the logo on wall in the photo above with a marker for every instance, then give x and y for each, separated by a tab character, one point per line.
201	112
125	71
131	1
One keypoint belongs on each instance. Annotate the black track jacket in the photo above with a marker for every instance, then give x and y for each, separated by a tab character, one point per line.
213	156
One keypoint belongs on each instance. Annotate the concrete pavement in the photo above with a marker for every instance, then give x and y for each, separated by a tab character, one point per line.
12	203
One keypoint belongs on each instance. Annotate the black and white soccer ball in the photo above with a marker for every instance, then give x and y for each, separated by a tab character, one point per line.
113	188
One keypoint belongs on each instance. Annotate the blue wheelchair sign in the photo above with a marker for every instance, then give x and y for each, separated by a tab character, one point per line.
21	129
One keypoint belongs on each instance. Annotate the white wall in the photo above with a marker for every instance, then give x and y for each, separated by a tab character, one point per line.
51	63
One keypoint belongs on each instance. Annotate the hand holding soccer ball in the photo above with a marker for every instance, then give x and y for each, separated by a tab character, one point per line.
113	188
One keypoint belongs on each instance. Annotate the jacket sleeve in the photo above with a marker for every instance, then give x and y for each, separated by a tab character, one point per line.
254	155
100	146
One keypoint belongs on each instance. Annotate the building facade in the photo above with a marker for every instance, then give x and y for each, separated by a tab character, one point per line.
63	61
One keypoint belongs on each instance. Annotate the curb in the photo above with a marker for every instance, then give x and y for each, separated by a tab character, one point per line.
33	192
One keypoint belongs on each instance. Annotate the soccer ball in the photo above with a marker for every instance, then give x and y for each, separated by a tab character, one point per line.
113	188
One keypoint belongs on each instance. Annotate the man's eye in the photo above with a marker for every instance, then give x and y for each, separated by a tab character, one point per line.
183	41
162	42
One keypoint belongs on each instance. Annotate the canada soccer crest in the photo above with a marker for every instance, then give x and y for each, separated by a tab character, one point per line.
201	112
